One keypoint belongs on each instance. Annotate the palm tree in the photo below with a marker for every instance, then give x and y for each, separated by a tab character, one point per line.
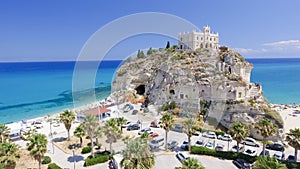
9	153
67	118
79	132
98	134
120	122
167	122
137	154
112	132
191	163
90	125
239	131
189	129
266	129
268	163
37	146
4	133
293	139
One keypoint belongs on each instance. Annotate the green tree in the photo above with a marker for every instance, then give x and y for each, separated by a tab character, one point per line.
4	133
167	122
168	45
90	125
189	129
150	51
67	118
37	146
268	163
293	139
137	154
120	122
112	132
9	153
239	131
79	132
140	54
266	129
191	163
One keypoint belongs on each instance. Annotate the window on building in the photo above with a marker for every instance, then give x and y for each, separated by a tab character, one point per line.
181	96
210	39
240	95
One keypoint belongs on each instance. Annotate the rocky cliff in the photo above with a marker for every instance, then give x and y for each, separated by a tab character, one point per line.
214	84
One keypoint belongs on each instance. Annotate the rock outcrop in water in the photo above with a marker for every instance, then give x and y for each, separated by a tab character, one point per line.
214	84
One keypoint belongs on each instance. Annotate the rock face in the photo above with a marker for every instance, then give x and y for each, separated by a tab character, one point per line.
214	83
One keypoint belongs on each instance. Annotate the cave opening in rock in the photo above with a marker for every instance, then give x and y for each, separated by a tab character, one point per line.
140	89
172	91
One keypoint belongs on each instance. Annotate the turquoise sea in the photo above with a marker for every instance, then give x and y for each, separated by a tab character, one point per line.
33	89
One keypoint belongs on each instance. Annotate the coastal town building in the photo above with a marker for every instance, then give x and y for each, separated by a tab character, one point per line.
196	39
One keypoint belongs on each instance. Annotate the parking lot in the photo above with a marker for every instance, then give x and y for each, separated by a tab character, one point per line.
165	159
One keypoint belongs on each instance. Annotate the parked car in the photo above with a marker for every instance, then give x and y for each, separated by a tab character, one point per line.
172	144
156	143
250	152
199	143
153	134
241	163
210	134
279	155
127	124
225	137
267	153
134	112
182	156
291	158
275	146
113	164
133	127
210	144
178	128
144	130
250	142
241	148
155	124
184	145
219	147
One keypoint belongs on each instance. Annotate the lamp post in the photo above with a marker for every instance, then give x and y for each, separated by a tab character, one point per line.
51	136
73	150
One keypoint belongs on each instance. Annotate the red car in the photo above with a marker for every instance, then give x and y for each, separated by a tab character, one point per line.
152	134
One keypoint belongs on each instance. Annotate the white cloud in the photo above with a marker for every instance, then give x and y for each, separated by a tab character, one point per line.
285	43
285	48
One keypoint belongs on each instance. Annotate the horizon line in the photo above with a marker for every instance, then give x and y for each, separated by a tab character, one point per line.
31	61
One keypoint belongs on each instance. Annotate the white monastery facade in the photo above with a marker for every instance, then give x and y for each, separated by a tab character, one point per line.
196	39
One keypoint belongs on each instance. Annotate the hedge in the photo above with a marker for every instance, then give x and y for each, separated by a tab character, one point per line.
46	160
223	154
291	165
86	150
96	160
53	166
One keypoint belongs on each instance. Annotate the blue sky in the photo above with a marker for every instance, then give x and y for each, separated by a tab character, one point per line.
37	30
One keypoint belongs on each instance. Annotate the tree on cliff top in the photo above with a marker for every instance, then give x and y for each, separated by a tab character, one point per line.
140	54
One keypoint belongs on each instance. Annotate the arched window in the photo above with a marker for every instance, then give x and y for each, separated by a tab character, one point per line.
201	46
210	45
206	46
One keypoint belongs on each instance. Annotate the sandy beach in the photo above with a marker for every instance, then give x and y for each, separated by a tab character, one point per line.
289	115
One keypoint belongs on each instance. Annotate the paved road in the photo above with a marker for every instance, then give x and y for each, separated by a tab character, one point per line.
169	161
